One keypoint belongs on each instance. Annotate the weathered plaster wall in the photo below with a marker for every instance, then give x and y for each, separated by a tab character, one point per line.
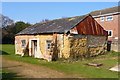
60	44
66	47
18	43
42	43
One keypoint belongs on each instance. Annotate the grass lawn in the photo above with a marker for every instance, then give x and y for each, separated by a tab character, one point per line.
7	74
79	68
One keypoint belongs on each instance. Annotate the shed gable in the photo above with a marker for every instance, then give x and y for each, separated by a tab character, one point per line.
89	26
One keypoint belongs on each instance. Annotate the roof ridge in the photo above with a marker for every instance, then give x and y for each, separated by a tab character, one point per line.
59	19
105	8
105	11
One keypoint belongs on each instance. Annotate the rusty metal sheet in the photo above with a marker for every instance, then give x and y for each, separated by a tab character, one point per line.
89	26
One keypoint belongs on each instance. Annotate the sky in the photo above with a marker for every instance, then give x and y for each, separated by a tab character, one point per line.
33	12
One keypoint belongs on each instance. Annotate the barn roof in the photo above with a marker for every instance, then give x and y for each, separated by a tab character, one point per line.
105	11
61	26
58	25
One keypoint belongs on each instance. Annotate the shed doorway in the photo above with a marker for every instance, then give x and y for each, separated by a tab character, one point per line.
34	48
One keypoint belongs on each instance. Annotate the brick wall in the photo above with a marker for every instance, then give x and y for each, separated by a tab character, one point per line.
112	25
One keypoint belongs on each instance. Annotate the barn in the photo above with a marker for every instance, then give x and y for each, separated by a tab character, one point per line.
68	38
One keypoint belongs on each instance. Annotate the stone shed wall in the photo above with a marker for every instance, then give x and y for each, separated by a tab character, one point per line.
82	46
96	44
78	46
69	46
41	40
65	51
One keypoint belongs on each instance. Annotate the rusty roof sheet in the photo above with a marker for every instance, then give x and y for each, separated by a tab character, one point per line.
57	25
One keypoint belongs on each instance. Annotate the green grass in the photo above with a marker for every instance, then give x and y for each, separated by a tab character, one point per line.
7	75
79	68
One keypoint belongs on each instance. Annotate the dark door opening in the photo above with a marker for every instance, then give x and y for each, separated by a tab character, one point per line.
34	47
109	45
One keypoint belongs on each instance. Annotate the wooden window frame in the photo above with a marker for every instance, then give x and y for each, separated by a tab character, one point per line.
48	42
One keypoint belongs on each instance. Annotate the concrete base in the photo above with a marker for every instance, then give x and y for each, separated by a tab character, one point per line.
116	68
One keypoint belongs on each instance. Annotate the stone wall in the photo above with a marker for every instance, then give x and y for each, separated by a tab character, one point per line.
78	46
82	46
96	45
65	46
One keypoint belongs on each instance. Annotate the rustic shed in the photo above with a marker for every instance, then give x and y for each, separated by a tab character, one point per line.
74	37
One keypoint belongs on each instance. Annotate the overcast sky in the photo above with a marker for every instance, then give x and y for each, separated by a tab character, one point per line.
34	12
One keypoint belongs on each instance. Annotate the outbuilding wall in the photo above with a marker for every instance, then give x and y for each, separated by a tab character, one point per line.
42	43
67	46
96	45
82	46
78	46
